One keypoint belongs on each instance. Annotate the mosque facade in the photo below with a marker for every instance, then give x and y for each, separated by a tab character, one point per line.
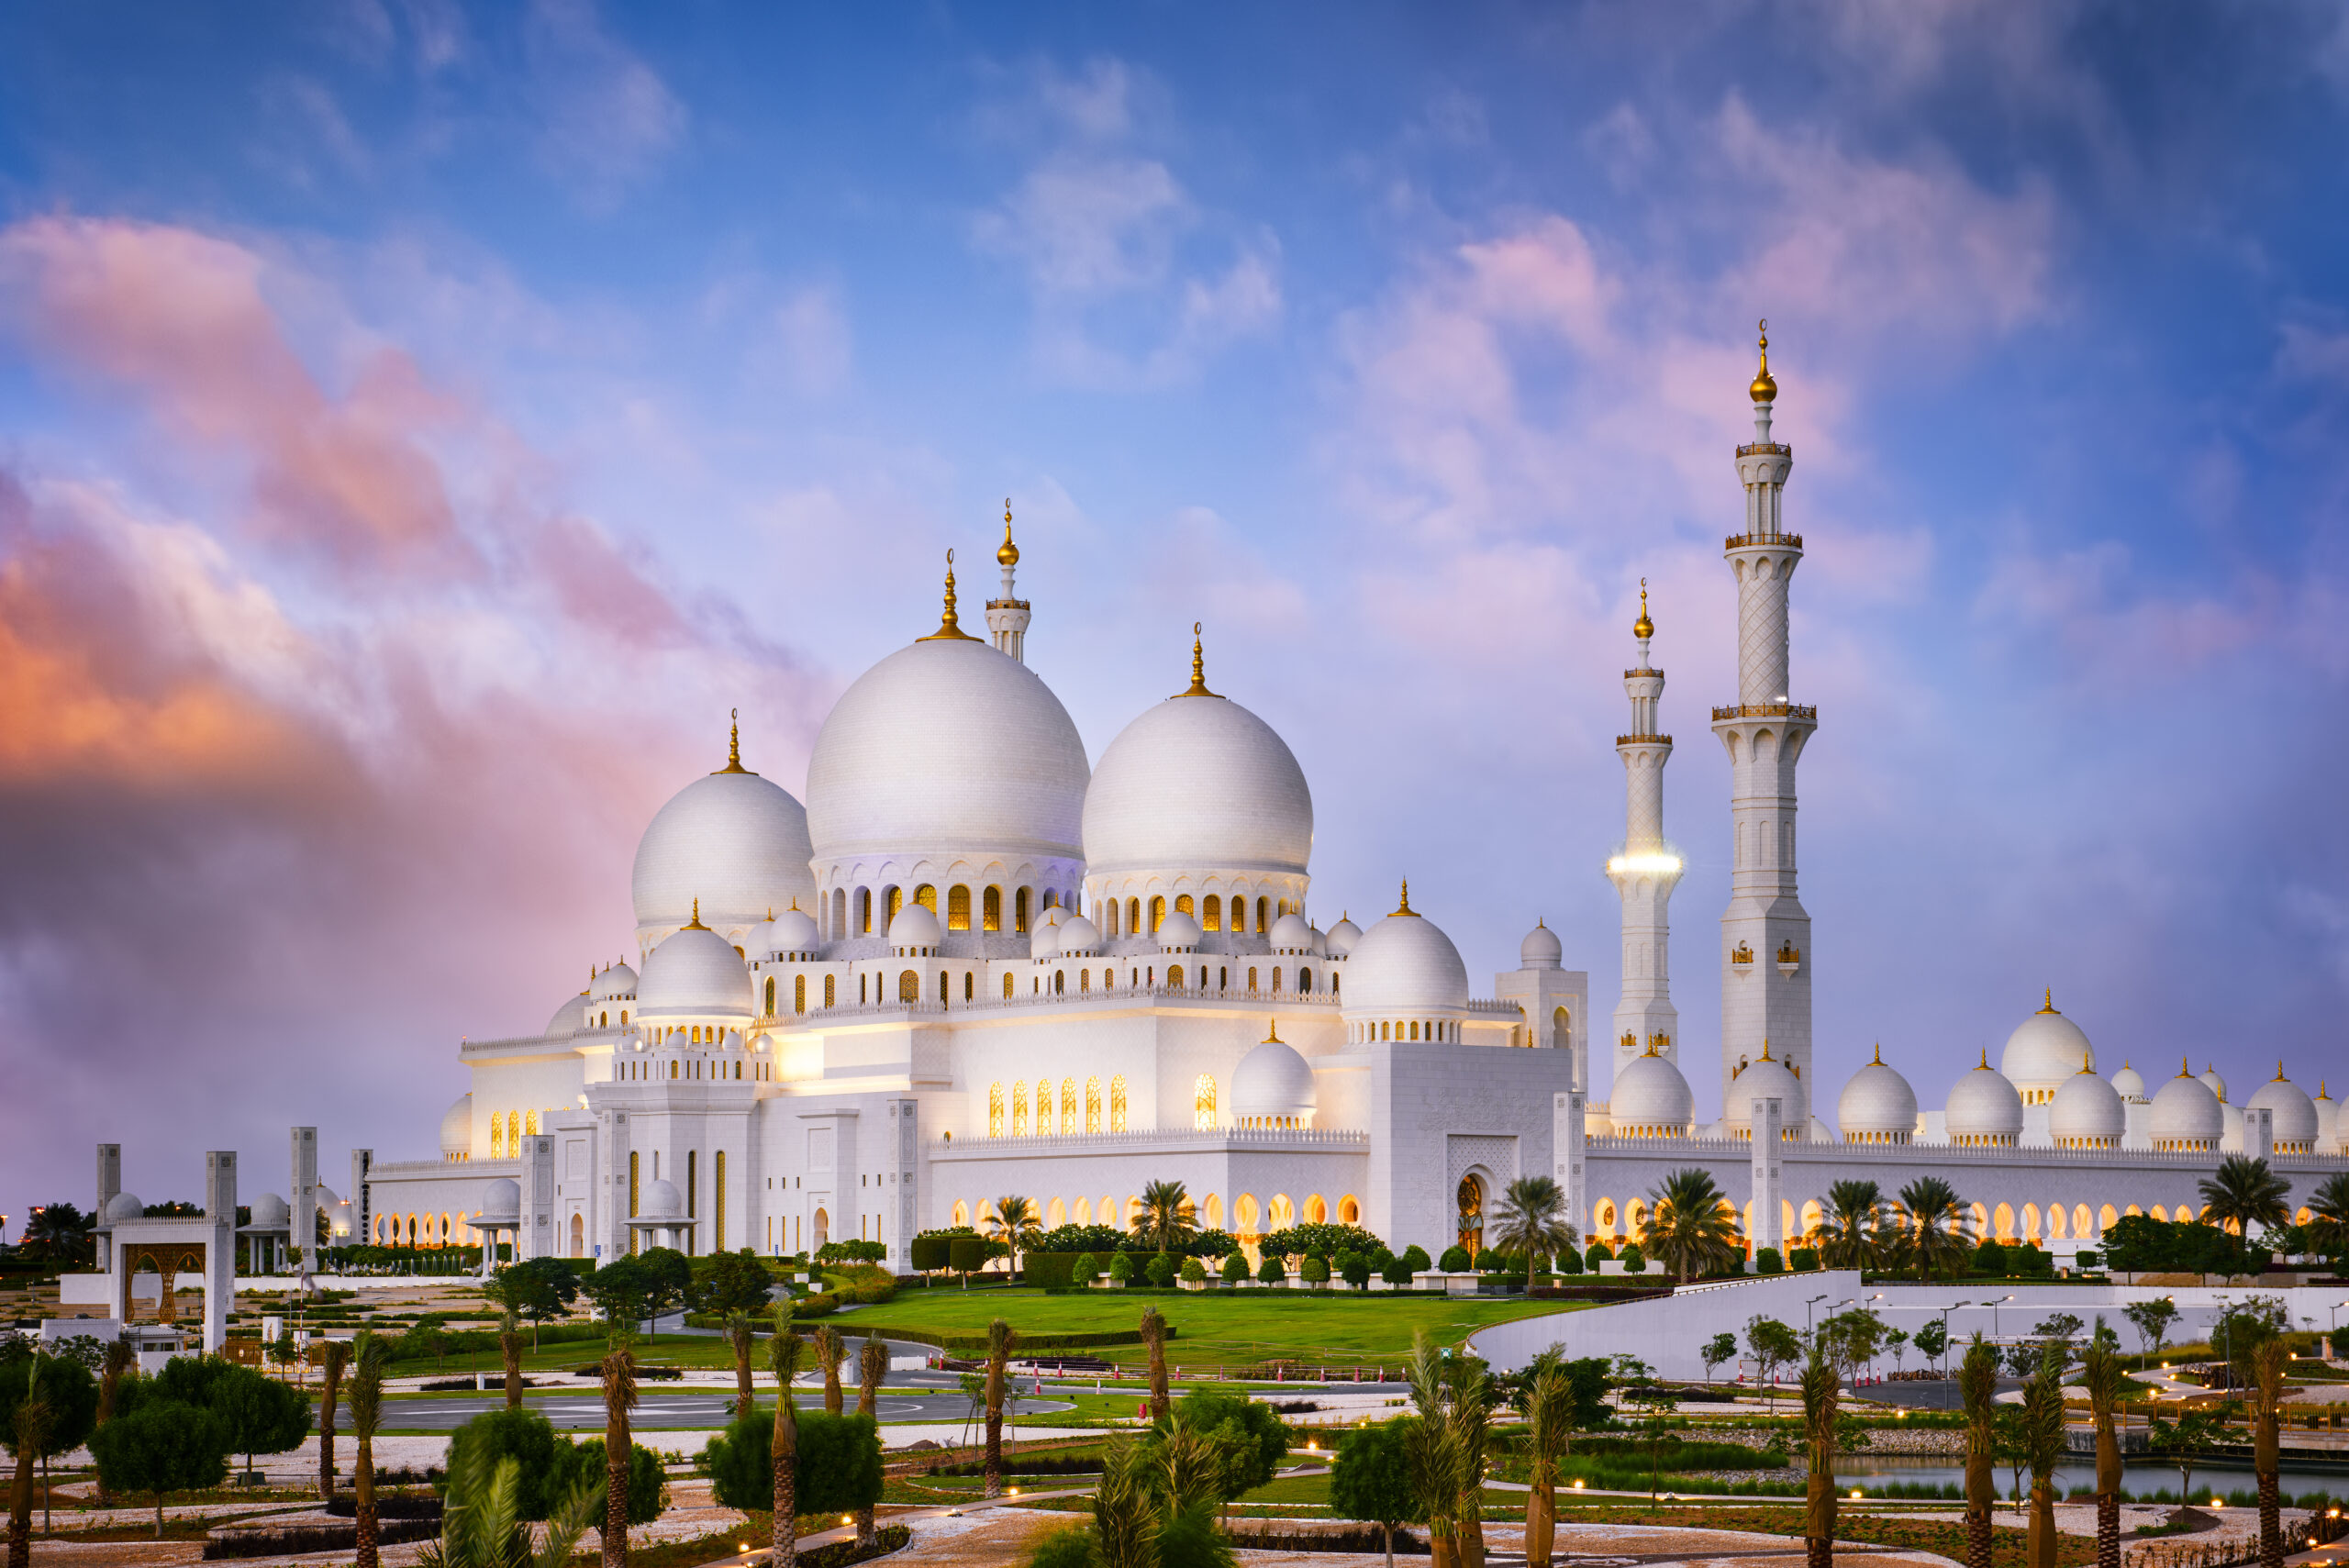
973	964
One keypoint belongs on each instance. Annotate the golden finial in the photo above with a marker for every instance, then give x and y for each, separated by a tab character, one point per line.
1007	553
2184	1068
2084	1062
2048	1005
1766	1047
1985	1067
1644	628
1765	387
1405	908
695	924
1199	667
2280	1069
948	631
1879	1055
2320	1090
1272	1033
1652	1039
734	743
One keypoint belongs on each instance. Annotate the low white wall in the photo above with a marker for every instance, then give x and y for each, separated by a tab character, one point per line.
1667	1332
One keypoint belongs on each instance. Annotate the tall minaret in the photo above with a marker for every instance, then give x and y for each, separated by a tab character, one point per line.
1008	617
1645	869
1765	934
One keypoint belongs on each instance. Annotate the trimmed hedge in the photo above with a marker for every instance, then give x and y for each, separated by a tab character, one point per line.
1050	1270
461	1341
1028	1342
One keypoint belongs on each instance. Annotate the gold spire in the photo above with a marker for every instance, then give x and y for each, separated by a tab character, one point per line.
2184	1068
1198	668
1985	1066
2048	1004
734	744
2280	1069
695	924
1765	387
1650	1050
1766	1047
1272	1033
1405	908
948	631
2084	1062
1007	553
1879	1055
1644	628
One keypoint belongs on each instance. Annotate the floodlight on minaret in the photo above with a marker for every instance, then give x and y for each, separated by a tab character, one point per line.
1645	867
1766	932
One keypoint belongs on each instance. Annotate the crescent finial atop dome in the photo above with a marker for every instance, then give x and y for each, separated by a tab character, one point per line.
1006	553
1644	628
1765	386
947	631
1272	1033
2048	1004
734	744
1403	907
695	924
1198	687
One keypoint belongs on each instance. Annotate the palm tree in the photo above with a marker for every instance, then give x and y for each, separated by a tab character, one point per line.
2102	1375
1821	1393
509	1347
619	1447
742	1337
1014	1224
334	1360
1163	1221
2043	1445
1435	1451
1549	1417
1471	1394
872	1365
2269	1365
782	1359
1691	1226
368	1356
483	1528
2244	1192
1531	1219
122	1362
1000	1340
1977	1388
1153	1335
831	1348
1846	1235
2328	1226
1936	1223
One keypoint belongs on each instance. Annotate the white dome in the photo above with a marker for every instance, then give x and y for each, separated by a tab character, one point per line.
271	1212
1290	934
2086	1113
2129	1085
457	1127
2185	1115
1651	1099
2295	1112
1178	932
661	1200
2045	1049
1540	949
1341	937
1273	1081
613	984
694	972
732	840
1405	964
1044	943
947	748
1768	1078
1877	1105
916	926
569	1018
1198	783
121	1207
1051	914
794	930
1078	935
1983	1107
2212	1082
501	1199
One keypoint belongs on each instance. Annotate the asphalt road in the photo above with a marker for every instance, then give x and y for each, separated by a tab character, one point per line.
582	1409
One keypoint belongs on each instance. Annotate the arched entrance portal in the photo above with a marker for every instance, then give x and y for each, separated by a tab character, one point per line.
822	1228
1470	1198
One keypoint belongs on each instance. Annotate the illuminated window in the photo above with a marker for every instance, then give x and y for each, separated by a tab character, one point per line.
1019	910
927	896
770	996
514	1132
828	990
1018	1112
1183	902
897	902
1157	913
908	986
1006	987
1117	1103
497	1136
532	1126
1068	1105
970	981
1043	1107
1133	916
991	910
1203	1104
1211	914
1093	1105
1263	924
1276	980
958	908
995	1116
865	911
798	995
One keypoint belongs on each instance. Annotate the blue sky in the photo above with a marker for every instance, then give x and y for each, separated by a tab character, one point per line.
419	424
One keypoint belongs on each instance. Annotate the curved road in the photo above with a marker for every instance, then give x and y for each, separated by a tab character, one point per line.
582	1408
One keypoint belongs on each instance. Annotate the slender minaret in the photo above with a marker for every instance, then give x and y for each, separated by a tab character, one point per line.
1765	934
1008	617
1645	869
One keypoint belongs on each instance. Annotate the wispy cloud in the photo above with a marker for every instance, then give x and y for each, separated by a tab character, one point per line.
606	118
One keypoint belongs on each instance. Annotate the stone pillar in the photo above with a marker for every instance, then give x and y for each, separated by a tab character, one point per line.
613	1211
905	1145
110	1184
2259	1132
536	1237
302	1198
362	1211
1569	1150
221	1248
1769	1174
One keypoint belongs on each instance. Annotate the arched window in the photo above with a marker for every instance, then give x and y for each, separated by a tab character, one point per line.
1019	1111
1050	898
991	910
1109	913
1211	914
865	911
942	982
1263	923
908	986
995	1127
1083	980
1060	981
514	1132
1203	1117
969	984
1276	980
1349	1211
896	901
1316	1211
1019	909
1043	1107
1183	902
961	1212
1068	1105
672	1070
958	908
1133	916
1174	977
497	1136
1304	980
798	994
770	996
1157	913
828	990
839	913
927	896
1251	980
860	990
1117	1103
1093	1105
1006	987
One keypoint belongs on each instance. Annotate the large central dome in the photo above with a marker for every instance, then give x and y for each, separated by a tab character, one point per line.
946	750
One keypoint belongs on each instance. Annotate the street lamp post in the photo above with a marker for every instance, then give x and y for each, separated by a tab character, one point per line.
1807	1307
1995	1302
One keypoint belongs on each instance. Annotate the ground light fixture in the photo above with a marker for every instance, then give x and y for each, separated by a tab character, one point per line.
1856	1492
847	1519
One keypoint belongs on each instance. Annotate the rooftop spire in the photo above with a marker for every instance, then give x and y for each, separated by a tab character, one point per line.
2048	1004
1766	387
948	631
1405	908
1272	1033
695	924
734	743
1006	553
1198	668
1644	628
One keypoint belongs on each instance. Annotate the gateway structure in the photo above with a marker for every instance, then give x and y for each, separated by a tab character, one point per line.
973	966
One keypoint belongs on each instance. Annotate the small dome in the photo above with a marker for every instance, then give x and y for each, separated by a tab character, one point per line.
613	984
731	841
1983	1107
122	1205
916	926
2129	1085
1178	933
1291	934
501	1199
269	1212
1405	964
2295	1112
1078	935
1272	1082
1540	949
2185	1115
457	1127
794	930
694	972
1767	1079
569	1018
1341	937
2045	1049
1876	1106
2086	1113
1651	1099
2212	1082
661	1201
1044	943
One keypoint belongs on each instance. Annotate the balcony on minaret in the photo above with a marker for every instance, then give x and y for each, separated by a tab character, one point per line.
1743	955
1796	711
1789	959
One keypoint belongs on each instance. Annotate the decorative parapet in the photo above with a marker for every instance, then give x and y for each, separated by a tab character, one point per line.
1765	449
1747	541
1332	1139
1643	739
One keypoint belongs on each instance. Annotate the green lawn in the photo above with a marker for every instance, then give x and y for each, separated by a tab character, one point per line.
1215	1328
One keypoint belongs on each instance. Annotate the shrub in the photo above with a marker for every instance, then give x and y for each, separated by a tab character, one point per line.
2090	1259
1767	1262
1356	1270
1085	1270
648	1487
1121	1267
1990	1258
1803	1259
1455	1260
526	1438
1599	1252
930	1251
968	1254
1160	1270
1415	1257
1569	1262
1397	1273
1235	1268
1313	1271
837	1468
1052	1270
851	1252
1271	1271
1194	1272
1635	1261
